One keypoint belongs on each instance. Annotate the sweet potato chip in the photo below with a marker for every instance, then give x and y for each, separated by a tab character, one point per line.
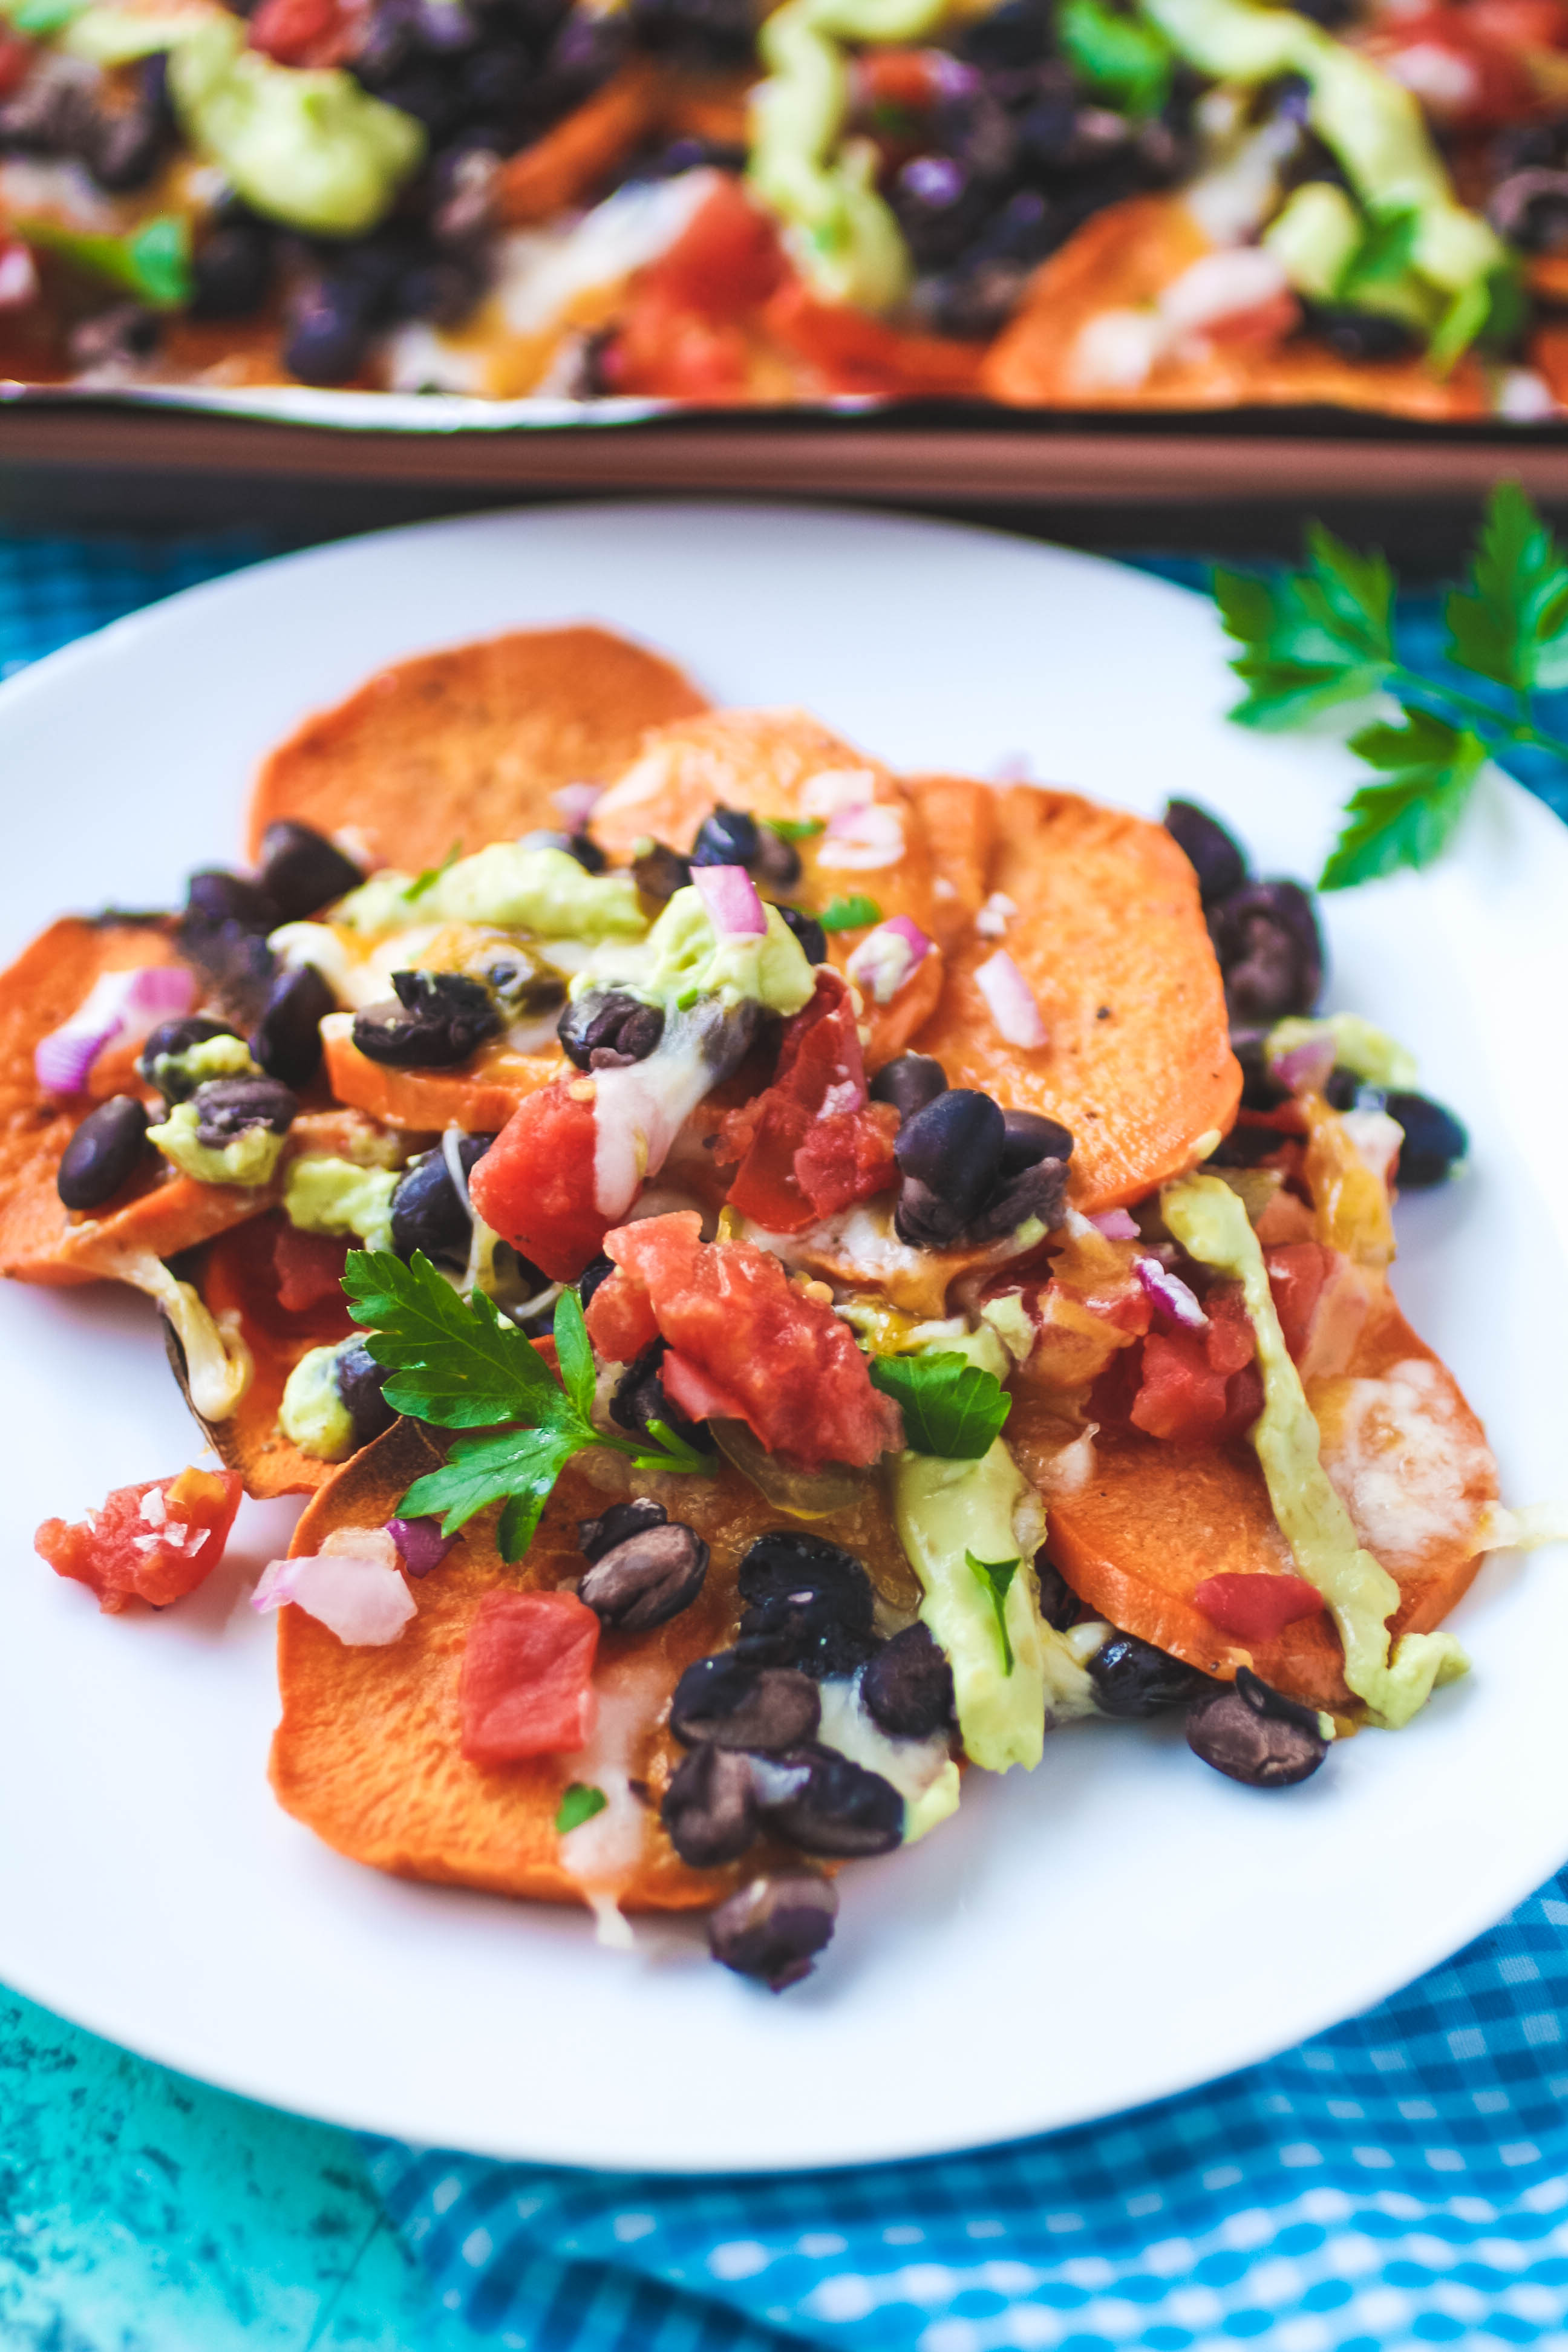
577	155
480	1098
367	1753
1124	259
960	820
1151	1521
1111	939
238	1275
469	745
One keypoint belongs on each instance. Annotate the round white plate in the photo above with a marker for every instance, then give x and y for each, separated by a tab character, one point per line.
1119	1924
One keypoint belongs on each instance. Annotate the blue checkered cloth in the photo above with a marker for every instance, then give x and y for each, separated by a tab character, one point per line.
1402	2181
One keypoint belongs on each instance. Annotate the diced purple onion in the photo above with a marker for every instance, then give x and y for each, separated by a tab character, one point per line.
575	804
1305	1068
1169	1291
1010	1001
118	1004
421	1543
730	898
1116	1224
885	956
357	1596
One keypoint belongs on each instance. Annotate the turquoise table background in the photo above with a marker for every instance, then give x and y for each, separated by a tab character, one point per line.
1400	2182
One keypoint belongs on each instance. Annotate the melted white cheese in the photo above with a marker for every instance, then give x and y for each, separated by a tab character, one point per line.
1402	1459
921	1770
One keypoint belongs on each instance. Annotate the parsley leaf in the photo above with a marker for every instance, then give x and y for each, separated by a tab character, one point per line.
1124	57
1318	639
1510	623
579	1804
1430	768
153	262
851	914
795	828
996	1576
951	1407
457	1364
432	875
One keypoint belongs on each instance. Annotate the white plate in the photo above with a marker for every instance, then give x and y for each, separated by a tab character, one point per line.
1118	1925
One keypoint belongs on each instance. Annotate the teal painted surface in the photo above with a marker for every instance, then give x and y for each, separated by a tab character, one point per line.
143	2212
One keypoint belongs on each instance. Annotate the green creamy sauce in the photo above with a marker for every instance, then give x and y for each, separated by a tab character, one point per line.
175	1075
1371	123
682	958
250	1159
311	148
843	236
539	890
1211	1226
1370	1052
323	1195
312	1414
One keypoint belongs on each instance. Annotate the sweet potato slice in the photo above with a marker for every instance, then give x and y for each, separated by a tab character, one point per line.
1111	938
367	1753
238	1275
469	745
577	155
481	1097
1151	1521
960	820
1124	259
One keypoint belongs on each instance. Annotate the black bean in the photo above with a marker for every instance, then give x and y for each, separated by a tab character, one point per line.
824	1804
639	1401
610	1032
214	896
660	872
776	863
1017	34
122	150
805	1630
167	1042
1059	1604
103	1153
598	1535
587	852
736	1705
773	1928
1028	1136
909	1081
787	1562
1260	1090
287	1041
710	1807
1039	1192
1366	336
1217	859
440	1019
1342	1088
1434	1140
908	1686
923	1220
496	80
302	871
235	964
441	287
729	837
327	336
1131	1679
232	272
1256	1734
954	1147
647	1578
428	1212
940	204
227	1107
1270	951
711	33
808	930
592	1275
360	1382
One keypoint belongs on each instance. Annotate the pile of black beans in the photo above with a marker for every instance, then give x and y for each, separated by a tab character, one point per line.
733	838
1270	953
1245	1729
969	1171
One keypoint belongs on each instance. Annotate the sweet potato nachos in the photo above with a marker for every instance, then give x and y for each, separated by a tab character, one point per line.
781	1281
1187	204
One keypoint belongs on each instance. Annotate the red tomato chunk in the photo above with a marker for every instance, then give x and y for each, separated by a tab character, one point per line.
1199	1388
812	1144
308	1268
535	1184
154	1542
1256	1607
527	1682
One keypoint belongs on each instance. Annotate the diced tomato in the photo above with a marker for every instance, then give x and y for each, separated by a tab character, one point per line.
1256	1607
1297	1273
666	353
726	260
1462	78
680	336
1519	24
309	1267
696	1395
914	79
854	353
1260	327
1199	1388
154	1542
308	32
812	1144
535	1184
788	1364
527	1683
16	62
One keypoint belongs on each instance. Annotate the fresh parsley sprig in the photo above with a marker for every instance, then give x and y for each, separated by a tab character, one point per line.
995	1578
1323	640
459	1364
951	1407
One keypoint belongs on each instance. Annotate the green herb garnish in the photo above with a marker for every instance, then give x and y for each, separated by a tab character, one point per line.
1322	639
579	1804
951	1407
432	874
851	914
996	1576
459	1365
1121	56
154	263
795	828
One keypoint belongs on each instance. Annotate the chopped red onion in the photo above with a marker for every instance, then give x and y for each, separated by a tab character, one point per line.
885	956
1010	1001
730	898
1305	1068
1115	1225
577	804
18	277
1169	1291
421	1543
118	1004
349	1586
862	838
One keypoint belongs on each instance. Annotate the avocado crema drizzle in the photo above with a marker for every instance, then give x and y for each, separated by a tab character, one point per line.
846	241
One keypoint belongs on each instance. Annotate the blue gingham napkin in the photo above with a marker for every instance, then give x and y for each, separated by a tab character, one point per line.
1400	2182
